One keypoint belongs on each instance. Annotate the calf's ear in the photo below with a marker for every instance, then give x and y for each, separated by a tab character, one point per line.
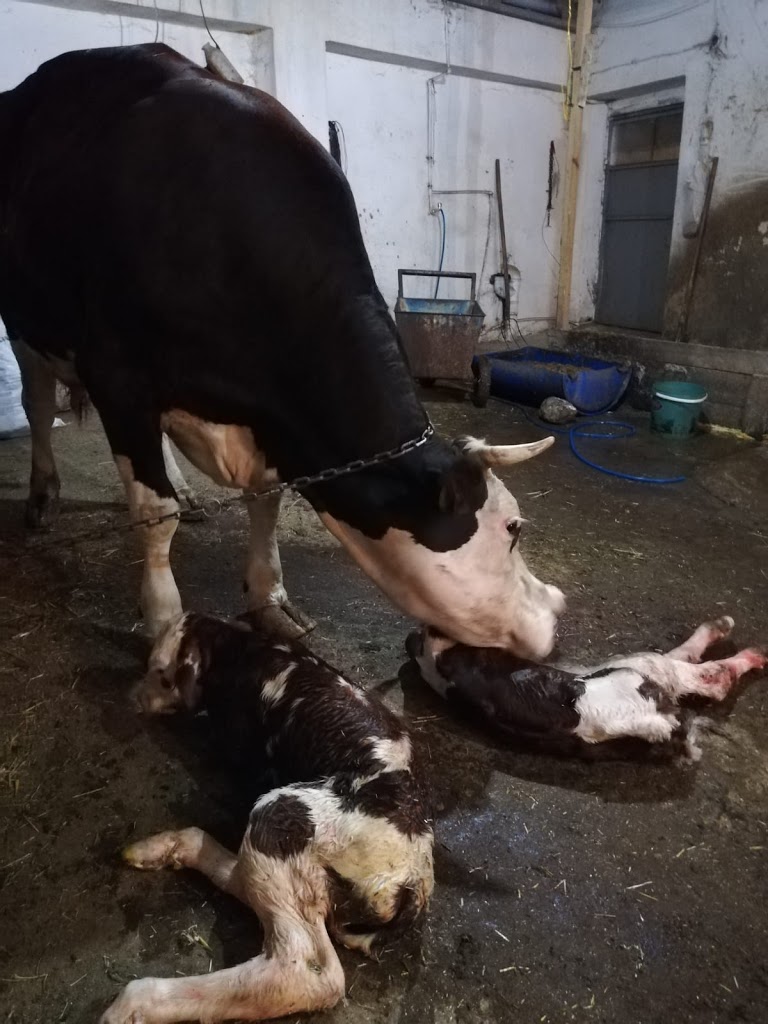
463	489
189	668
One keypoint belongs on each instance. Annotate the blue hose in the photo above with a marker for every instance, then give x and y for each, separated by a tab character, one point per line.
617	429
442	250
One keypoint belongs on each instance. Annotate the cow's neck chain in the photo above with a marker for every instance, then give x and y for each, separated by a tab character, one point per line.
213	506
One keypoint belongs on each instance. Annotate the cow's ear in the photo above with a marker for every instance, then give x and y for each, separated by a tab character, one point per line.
463	488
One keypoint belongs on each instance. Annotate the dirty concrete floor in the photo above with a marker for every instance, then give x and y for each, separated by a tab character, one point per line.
565	892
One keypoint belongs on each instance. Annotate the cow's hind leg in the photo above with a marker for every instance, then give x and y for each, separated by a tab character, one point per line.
160	600
707	634
277	873
265	592
154	500
38	396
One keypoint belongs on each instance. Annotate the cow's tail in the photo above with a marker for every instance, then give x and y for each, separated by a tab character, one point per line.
78	400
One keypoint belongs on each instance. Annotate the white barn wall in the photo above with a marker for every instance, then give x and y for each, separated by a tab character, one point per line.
711	55
490	103
382	109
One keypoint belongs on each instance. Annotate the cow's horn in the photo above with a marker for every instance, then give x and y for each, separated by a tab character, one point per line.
505	454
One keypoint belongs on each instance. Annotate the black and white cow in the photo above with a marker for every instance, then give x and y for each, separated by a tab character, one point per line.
182	248
633	698
342	844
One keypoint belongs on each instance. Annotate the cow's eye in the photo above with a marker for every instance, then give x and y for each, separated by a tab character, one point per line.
514	529
166	683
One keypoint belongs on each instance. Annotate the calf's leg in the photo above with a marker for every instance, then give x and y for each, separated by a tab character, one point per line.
715	679
277	873
707	634
38	396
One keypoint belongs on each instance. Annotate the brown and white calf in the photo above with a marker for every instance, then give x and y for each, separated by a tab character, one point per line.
343	845
633	698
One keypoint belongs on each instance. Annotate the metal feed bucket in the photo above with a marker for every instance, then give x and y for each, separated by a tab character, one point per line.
440	335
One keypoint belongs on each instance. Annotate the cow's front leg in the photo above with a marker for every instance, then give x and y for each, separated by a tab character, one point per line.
265	593
160	601
38	396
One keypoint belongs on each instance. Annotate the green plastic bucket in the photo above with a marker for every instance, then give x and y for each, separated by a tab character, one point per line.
676	407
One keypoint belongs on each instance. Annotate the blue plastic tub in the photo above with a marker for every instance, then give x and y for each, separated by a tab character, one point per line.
529	375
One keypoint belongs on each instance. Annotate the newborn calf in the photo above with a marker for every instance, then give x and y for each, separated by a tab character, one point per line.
344	844
635	697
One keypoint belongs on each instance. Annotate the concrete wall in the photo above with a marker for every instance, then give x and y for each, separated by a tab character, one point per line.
710	54
366	63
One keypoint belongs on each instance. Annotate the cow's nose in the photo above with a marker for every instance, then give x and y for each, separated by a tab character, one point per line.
557	600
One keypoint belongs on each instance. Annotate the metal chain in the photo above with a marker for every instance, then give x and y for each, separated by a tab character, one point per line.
211	507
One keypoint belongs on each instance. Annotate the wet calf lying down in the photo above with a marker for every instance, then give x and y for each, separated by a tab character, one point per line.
635	699
343	845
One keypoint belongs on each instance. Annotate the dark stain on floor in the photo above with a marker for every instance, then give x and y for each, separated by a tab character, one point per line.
565	891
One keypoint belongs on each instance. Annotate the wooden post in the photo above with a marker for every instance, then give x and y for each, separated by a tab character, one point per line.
682	326
504	257
577	98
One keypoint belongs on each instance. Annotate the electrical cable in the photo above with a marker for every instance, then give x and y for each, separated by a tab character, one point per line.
207	29
442	250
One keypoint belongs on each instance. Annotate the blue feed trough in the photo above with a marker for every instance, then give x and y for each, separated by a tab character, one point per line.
529	375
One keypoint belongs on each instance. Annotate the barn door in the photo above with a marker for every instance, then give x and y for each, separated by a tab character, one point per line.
639	203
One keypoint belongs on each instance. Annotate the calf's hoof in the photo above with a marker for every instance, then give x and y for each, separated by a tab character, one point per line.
724	626
134	1004
155	853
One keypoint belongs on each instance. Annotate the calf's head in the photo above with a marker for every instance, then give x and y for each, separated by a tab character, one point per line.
453	559
178	661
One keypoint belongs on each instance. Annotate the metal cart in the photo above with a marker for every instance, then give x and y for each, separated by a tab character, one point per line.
440	336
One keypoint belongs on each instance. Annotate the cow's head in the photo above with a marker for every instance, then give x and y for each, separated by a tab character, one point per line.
451	556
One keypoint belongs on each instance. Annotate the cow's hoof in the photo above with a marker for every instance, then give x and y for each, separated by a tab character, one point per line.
41	512
191	500
280	620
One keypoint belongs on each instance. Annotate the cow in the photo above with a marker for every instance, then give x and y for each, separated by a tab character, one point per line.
184	250
629	705
341	844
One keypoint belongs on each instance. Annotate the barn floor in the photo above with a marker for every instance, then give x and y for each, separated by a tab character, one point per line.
565	891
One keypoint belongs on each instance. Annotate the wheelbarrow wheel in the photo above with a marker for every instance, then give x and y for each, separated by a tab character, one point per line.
427	382
481	391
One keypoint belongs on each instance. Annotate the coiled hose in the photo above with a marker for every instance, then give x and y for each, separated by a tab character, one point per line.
615	429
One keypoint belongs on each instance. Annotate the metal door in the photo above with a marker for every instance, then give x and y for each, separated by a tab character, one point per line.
639	203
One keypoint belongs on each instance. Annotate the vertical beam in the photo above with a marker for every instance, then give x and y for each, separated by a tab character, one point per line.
576	99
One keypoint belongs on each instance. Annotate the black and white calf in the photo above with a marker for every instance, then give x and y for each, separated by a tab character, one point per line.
625	698
342	845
